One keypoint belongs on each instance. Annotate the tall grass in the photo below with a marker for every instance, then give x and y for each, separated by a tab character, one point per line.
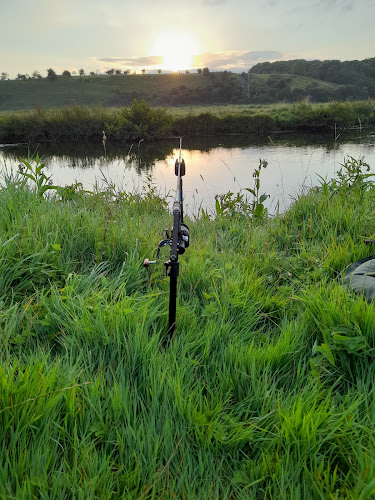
246	402
75	124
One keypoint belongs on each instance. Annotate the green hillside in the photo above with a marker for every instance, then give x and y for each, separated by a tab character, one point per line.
26	94
163	89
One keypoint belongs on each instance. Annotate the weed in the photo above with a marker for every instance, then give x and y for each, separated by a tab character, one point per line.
353	177
32	169
257	208
229	204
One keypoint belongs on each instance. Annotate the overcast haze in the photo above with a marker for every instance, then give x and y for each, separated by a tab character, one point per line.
233	35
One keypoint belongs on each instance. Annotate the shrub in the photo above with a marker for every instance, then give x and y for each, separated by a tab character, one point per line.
139	121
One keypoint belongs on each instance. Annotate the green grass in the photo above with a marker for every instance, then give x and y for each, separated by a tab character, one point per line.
89	90
247	401
222	111
162	89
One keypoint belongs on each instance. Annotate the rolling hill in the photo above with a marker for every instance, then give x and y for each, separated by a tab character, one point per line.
167	90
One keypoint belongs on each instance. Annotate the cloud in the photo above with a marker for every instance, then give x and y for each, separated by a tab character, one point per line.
231	61
333	5
132	62
235	61
302	6
339	4
213	3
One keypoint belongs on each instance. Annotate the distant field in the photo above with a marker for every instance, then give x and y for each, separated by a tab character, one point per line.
165	90
222	110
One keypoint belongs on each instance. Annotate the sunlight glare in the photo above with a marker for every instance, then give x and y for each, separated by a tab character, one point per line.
177	50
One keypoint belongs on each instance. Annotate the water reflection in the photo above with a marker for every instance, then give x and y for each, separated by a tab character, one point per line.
85	155
146	153
214	164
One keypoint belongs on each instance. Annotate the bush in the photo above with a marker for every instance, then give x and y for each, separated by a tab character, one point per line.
139	121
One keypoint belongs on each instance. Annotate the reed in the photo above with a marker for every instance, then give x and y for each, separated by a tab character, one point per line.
77	124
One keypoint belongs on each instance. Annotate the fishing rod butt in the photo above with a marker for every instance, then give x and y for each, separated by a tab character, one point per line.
172	298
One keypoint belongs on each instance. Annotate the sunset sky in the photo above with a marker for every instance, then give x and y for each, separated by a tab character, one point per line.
171	34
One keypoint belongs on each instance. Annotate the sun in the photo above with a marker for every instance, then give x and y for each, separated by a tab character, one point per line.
177	50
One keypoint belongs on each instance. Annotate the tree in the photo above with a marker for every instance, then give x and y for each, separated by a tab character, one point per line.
206	71
246	81
92	73
127	71
143	71
298	67
159	71
36	75
4	76
20	77
66	73
81	72
187	72
199	71
51	75
118	72
110	72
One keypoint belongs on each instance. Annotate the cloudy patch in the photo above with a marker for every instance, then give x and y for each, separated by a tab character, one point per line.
132	62
235	61
337	4
213	3
331	5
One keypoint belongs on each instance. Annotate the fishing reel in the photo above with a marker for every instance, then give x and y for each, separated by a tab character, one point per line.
182	168
184	239
182	244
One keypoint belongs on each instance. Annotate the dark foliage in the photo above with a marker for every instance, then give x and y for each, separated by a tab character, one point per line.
356	77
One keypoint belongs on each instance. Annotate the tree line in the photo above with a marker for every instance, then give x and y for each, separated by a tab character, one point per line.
359	73
52	75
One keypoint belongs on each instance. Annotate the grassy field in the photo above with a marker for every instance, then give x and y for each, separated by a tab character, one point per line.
266	390
89	90
121	89
222	111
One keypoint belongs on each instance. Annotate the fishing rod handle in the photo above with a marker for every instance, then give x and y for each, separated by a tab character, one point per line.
163	243
147	262
176	229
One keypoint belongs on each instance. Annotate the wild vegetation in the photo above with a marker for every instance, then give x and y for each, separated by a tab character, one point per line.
267	388
140	121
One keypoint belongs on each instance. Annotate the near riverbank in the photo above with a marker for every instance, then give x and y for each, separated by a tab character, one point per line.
266	389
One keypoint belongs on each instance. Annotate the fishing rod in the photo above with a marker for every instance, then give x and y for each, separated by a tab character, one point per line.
178	241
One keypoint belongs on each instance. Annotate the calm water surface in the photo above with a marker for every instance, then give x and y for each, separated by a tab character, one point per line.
213	166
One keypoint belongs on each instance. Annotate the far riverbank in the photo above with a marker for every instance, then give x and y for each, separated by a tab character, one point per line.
76	124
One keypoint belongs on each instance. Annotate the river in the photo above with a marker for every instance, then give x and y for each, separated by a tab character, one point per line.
213	165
